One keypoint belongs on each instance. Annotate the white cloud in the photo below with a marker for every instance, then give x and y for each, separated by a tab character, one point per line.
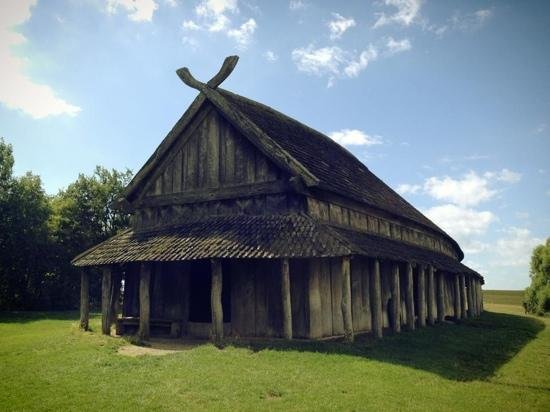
356	66
515	248
190	25
171	3
297	5
540	128
397	46
460	222
506	175
215	16
138	10
244	33
191	42
271	56
470	190
406	188
407	12
339	25
470	21
354	137
17	90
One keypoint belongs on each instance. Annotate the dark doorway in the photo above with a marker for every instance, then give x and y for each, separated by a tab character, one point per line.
200	288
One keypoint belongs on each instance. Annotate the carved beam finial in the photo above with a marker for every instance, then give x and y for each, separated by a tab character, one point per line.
227	67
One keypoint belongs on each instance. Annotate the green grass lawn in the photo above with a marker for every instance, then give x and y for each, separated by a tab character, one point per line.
498	362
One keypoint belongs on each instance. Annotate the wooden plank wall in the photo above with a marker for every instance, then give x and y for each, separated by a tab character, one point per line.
213	155
385	274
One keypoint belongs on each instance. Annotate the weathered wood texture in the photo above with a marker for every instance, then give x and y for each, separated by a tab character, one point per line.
386	286
421	296
376	299
144	301
470	296
456	297
409	300
395	300
84	300
216	300
360	294
463	299
346	299
315	310
336	296
210	154
286	301
431	296
440	297
106	302
298	291
372	221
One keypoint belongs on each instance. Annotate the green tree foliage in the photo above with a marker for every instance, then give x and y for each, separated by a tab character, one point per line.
24	243
39	235
537	296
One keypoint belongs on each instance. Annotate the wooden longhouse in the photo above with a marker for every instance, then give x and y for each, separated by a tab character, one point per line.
247	223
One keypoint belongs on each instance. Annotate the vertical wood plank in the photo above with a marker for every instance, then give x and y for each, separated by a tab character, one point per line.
336	298
144	301
346	299
216	300
298	295
440	297
409	298
286	303
177	168
314	299
395	299
202	160
470	297
463	299
212	160
431	296
229	155
376	299
421	296
366	324
84	299
106	293
260	298
457	297
326	297
357	294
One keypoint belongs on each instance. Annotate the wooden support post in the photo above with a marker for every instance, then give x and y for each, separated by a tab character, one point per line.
471	312
431	296
409	297
144	301
84	299
395	299
440	297
106	294
116	279
480	296
474	294
346	299
216	300
314	300
376	299
421	296
463	299
457	297
285	293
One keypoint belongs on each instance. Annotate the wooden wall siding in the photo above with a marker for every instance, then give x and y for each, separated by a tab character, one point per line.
449	295
340	215
360	295
152	217
385	276
130	297
325	288
212	156
336	296
299	269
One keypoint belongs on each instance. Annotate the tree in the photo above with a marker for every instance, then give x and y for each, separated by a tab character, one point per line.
537	296
82	216
24	245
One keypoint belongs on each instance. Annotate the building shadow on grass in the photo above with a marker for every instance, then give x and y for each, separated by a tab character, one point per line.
471	350
34	316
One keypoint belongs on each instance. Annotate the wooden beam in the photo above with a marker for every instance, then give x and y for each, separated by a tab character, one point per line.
226	69
144	301
479	296
476	300
395	299
115	294
106	294
346	299
376	299
409	297
222	193
84	299
285	293
314	299
216	300
440	297
421	296
463	299
457	297
471	312
431	296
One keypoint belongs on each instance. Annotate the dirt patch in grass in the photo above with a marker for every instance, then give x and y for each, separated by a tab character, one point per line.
158	347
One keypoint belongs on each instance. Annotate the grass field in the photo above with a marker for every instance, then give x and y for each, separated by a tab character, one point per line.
503	297
498	362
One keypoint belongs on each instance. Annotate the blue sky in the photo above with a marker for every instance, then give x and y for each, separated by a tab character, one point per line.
448	102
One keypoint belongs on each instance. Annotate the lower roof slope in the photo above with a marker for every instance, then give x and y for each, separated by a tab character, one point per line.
256	236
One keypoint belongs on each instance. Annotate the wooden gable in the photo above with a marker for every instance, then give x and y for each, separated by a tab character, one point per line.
209	154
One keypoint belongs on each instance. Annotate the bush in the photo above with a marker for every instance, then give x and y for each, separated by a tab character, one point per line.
537	295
